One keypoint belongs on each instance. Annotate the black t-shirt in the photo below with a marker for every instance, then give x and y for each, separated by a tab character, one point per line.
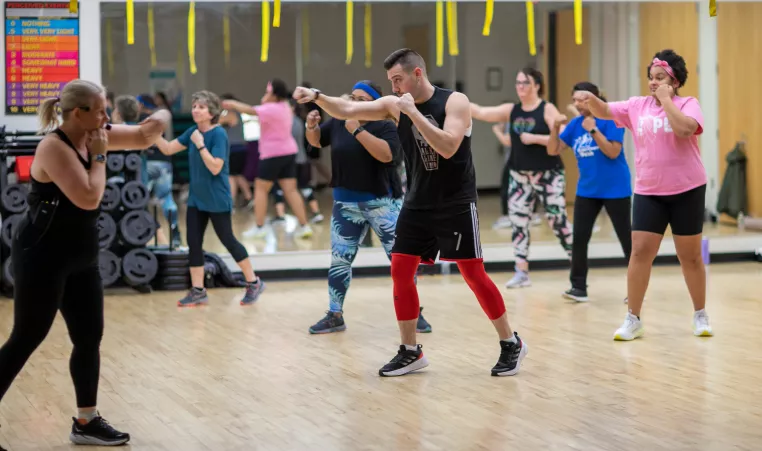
353	167
433	181
531	157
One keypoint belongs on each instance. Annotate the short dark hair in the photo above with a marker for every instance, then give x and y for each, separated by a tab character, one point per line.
537	77
409	59
675	61
280	90
587	86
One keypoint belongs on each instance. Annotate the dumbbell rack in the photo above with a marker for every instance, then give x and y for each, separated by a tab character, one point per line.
125	225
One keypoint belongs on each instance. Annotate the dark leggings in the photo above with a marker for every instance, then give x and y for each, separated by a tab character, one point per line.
196	222
47	279
585	212
505	186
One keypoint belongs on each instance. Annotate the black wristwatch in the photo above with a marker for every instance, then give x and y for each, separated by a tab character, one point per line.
317	94
100	158
358	130
594	130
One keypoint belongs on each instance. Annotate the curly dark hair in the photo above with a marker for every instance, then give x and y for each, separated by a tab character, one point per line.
675	61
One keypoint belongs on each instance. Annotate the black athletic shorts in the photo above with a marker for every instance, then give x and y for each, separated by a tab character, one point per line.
277	168
683	212
453	233
238	154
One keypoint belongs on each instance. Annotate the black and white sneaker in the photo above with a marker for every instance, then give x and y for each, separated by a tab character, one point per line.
511	355
404	362
97	432
575	294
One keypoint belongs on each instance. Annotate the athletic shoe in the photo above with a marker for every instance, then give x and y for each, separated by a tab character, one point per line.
332	322
255	232
97	432
253	290
318	218
631	329
404	362
193	298
575	294
503	222
701	327
304	231
423	326
519	280
511	355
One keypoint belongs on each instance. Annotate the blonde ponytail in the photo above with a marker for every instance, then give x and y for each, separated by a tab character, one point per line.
48	115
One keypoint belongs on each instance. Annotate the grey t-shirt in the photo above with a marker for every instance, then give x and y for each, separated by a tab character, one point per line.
297	129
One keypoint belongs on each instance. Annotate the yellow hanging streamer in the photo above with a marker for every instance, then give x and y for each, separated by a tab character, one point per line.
452	27
226	36
368	36
305	36
440	33
73	6
488	13
712	8
530	28
130	22
350	26
276	14
109	48
192	37
265	52
151	36
578	22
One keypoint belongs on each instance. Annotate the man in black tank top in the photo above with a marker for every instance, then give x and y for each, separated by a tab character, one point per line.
439	216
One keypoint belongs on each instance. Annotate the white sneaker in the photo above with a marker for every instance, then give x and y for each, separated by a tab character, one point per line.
701	327
519	280
630	330
304	231
503	222
255	232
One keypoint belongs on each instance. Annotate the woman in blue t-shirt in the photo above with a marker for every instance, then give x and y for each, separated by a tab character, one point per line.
604	181
209	197
367	194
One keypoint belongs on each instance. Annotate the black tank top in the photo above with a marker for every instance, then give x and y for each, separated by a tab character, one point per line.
434	181
532	157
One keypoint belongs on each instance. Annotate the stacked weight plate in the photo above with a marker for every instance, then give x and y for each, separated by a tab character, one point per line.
13	207
125	226
174	270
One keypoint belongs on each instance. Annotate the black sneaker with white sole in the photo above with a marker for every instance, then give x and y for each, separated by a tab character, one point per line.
97	432
404	362
511	355
576	294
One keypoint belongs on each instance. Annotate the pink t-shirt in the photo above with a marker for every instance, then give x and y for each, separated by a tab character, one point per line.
275	137
665	163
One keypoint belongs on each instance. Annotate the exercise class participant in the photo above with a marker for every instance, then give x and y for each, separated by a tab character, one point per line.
670	184
55	249
232	122
439	213
277	154
534	173
604	181
209	196
367	193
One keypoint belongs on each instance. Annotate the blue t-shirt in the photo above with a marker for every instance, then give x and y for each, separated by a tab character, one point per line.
208	192
600	177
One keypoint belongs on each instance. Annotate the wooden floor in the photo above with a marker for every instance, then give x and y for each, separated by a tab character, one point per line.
224	377
281	240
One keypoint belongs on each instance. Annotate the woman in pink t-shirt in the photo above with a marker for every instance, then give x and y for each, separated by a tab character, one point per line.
277	155
670	184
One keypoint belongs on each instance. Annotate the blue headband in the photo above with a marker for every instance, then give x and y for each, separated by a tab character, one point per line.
365	87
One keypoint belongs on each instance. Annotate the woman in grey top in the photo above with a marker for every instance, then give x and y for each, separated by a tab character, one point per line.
232	122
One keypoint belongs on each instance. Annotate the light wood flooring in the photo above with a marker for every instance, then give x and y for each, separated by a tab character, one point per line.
225	377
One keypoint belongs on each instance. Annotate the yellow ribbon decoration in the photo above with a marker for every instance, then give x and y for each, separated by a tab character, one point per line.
452	27
305	36
530	28
440	33
488	13
350	21
276	14
73	6
151	36
712	8
368	36
578	22
226	36
192	37
264	53
109	48
130	22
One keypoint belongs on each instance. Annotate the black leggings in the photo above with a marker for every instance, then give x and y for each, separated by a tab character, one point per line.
56	274
196	222
505	186
585	212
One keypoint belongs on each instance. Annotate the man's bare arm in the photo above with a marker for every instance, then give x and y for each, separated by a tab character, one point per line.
339	108
446	141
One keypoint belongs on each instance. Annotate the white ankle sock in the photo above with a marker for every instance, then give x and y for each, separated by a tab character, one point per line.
513	339
86	415
411	347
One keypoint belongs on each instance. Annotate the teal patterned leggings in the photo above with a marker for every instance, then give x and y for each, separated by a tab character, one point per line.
350	222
